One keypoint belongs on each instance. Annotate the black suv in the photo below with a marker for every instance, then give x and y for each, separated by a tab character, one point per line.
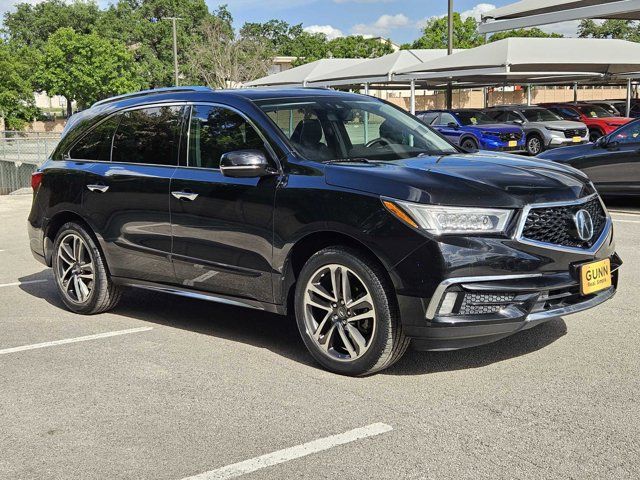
342	208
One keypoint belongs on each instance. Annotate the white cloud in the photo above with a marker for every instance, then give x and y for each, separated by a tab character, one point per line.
477	11
382	26
328	30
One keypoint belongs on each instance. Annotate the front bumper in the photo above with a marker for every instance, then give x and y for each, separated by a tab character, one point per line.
501	306
562	141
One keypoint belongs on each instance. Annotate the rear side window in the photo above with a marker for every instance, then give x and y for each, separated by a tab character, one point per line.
96	145
445	119
148	135
428	117
215	131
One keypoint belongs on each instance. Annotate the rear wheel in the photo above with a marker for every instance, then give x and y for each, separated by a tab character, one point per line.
346	313
534	144
79	270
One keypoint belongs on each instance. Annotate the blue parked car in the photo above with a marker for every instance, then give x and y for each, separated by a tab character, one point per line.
474	130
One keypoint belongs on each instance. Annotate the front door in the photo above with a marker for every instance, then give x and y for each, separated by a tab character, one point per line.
614	168
222	227
126	195
445	124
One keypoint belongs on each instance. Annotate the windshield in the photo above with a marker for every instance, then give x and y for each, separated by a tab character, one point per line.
539	115
334	128
594	111
471	117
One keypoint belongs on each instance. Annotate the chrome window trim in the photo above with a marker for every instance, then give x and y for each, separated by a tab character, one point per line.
436	299
552	246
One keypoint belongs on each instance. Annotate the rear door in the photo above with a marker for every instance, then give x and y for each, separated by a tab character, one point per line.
127	198
222	226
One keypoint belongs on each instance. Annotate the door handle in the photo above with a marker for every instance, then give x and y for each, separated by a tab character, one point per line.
185	195
98	188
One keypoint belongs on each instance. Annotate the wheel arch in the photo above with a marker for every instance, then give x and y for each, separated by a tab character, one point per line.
470	136
313	242
53	226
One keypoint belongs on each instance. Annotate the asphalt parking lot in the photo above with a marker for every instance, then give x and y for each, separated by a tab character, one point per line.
170	388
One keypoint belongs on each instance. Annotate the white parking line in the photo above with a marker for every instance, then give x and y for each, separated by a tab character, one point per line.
291	453
26	282
73	340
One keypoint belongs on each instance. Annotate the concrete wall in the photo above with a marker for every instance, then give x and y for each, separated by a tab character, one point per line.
473	98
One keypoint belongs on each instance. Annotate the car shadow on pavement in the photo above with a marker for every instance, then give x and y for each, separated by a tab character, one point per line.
280	335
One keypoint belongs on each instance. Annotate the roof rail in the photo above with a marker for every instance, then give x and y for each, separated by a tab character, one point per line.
152	92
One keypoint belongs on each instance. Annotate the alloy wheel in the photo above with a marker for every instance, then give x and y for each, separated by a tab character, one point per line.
75	269
535	145
339	313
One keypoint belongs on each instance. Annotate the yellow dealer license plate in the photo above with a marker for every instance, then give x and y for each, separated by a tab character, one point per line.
513	143
577	139
595	276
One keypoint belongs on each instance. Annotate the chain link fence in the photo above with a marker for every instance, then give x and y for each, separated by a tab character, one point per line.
20	155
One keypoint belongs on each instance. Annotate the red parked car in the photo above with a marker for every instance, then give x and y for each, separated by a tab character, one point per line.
599	120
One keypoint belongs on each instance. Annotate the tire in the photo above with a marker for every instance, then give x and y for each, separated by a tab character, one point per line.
469	145
535	144
381	341
80	274
594	135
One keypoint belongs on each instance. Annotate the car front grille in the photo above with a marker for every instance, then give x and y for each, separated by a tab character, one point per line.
575	132
505	137
483	303
555	225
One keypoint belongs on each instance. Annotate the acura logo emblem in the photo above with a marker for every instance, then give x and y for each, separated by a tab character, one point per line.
584	225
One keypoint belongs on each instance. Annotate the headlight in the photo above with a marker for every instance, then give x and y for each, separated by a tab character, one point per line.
555	129
491	134
442	220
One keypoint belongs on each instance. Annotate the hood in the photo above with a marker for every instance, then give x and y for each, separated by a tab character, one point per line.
478	179
567	153
560	124
494	127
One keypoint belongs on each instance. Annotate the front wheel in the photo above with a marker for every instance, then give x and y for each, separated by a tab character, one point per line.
534	145
594	135
469	145
346	313
80	273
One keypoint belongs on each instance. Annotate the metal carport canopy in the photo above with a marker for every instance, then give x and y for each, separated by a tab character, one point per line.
529	13
531	60
304	74
377	70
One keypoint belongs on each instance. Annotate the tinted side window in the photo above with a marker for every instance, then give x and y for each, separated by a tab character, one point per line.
445	119
428	117
628	134
148	135
96	145
217	130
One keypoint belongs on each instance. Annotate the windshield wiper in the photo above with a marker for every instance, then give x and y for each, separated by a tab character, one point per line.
348	160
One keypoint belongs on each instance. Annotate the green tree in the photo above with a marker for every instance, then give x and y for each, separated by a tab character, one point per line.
139	24
523	32
31	25
17	103
621	29
356	46
85	67
434	33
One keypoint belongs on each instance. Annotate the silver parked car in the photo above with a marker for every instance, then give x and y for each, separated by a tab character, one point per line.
544	129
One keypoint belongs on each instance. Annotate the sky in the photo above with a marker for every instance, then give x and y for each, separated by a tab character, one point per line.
400	20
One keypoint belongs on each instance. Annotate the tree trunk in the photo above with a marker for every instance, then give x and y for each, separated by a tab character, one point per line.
69	107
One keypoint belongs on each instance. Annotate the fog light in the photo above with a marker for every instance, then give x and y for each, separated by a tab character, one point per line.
448	303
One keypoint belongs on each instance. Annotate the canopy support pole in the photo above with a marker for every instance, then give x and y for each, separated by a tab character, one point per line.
366	117
575	92
529	94
413	97
449	95
628	97
485	97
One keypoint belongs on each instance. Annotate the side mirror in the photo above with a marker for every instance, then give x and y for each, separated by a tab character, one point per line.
601	141
453	125
518	121
245	164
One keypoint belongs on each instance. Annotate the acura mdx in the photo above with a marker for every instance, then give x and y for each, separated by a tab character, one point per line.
341	209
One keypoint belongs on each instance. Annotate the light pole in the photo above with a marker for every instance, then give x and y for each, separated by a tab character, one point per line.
175	45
